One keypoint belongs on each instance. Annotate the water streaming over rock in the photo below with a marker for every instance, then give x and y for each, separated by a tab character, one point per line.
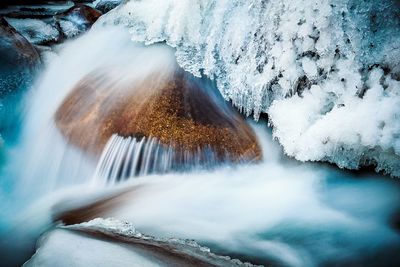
127	157
322	69
300	215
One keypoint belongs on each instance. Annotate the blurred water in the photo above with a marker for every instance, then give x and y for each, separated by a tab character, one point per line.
280	211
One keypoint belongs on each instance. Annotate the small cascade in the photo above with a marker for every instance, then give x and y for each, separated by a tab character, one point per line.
126	157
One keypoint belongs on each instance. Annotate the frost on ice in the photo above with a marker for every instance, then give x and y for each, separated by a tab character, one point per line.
326	71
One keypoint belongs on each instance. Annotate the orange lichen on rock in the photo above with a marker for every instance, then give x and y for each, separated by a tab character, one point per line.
174	108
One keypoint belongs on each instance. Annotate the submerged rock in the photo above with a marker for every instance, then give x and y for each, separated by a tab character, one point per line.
175	108
17	59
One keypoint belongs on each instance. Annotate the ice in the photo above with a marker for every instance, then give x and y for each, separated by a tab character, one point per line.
348	131
280	57
69	28
63	248
106	5
35	31
125	247
111	225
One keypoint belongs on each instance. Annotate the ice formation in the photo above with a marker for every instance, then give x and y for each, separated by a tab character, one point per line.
106	5
35	31
56	245
326	71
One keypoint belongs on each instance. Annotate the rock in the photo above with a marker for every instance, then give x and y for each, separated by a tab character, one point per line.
4	3
77	19
50	25
36	31
86	13
177	109
106	5
109	242
44	10
18	59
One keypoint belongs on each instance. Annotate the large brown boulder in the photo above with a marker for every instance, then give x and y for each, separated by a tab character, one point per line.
176	108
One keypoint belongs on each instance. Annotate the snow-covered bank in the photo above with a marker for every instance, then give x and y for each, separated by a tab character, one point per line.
326	71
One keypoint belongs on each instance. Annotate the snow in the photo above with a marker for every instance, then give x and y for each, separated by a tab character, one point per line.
260	52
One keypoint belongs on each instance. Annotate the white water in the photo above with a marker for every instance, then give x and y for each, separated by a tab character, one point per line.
293	214
124	158
48	161
297	214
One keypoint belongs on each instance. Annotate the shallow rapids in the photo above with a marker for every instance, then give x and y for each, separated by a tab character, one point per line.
278	212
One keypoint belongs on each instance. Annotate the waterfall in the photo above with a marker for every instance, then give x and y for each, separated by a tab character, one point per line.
126	157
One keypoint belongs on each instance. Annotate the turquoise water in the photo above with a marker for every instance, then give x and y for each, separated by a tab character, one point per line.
279	211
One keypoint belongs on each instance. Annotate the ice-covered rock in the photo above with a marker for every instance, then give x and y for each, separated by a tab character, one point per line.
326	71
106	5
36	31
77	20
109	242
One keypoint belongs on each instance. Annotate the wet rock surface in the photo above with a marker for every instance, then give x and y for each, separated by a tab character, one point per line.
18	58
174	109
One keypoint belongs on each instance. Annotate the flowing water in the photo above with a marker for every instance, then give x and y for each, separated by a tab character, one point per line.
124	158
278	212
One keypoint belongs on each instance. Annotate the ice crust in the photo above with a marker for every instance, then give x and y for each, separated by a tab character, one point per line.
326	71
125	229
35	31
